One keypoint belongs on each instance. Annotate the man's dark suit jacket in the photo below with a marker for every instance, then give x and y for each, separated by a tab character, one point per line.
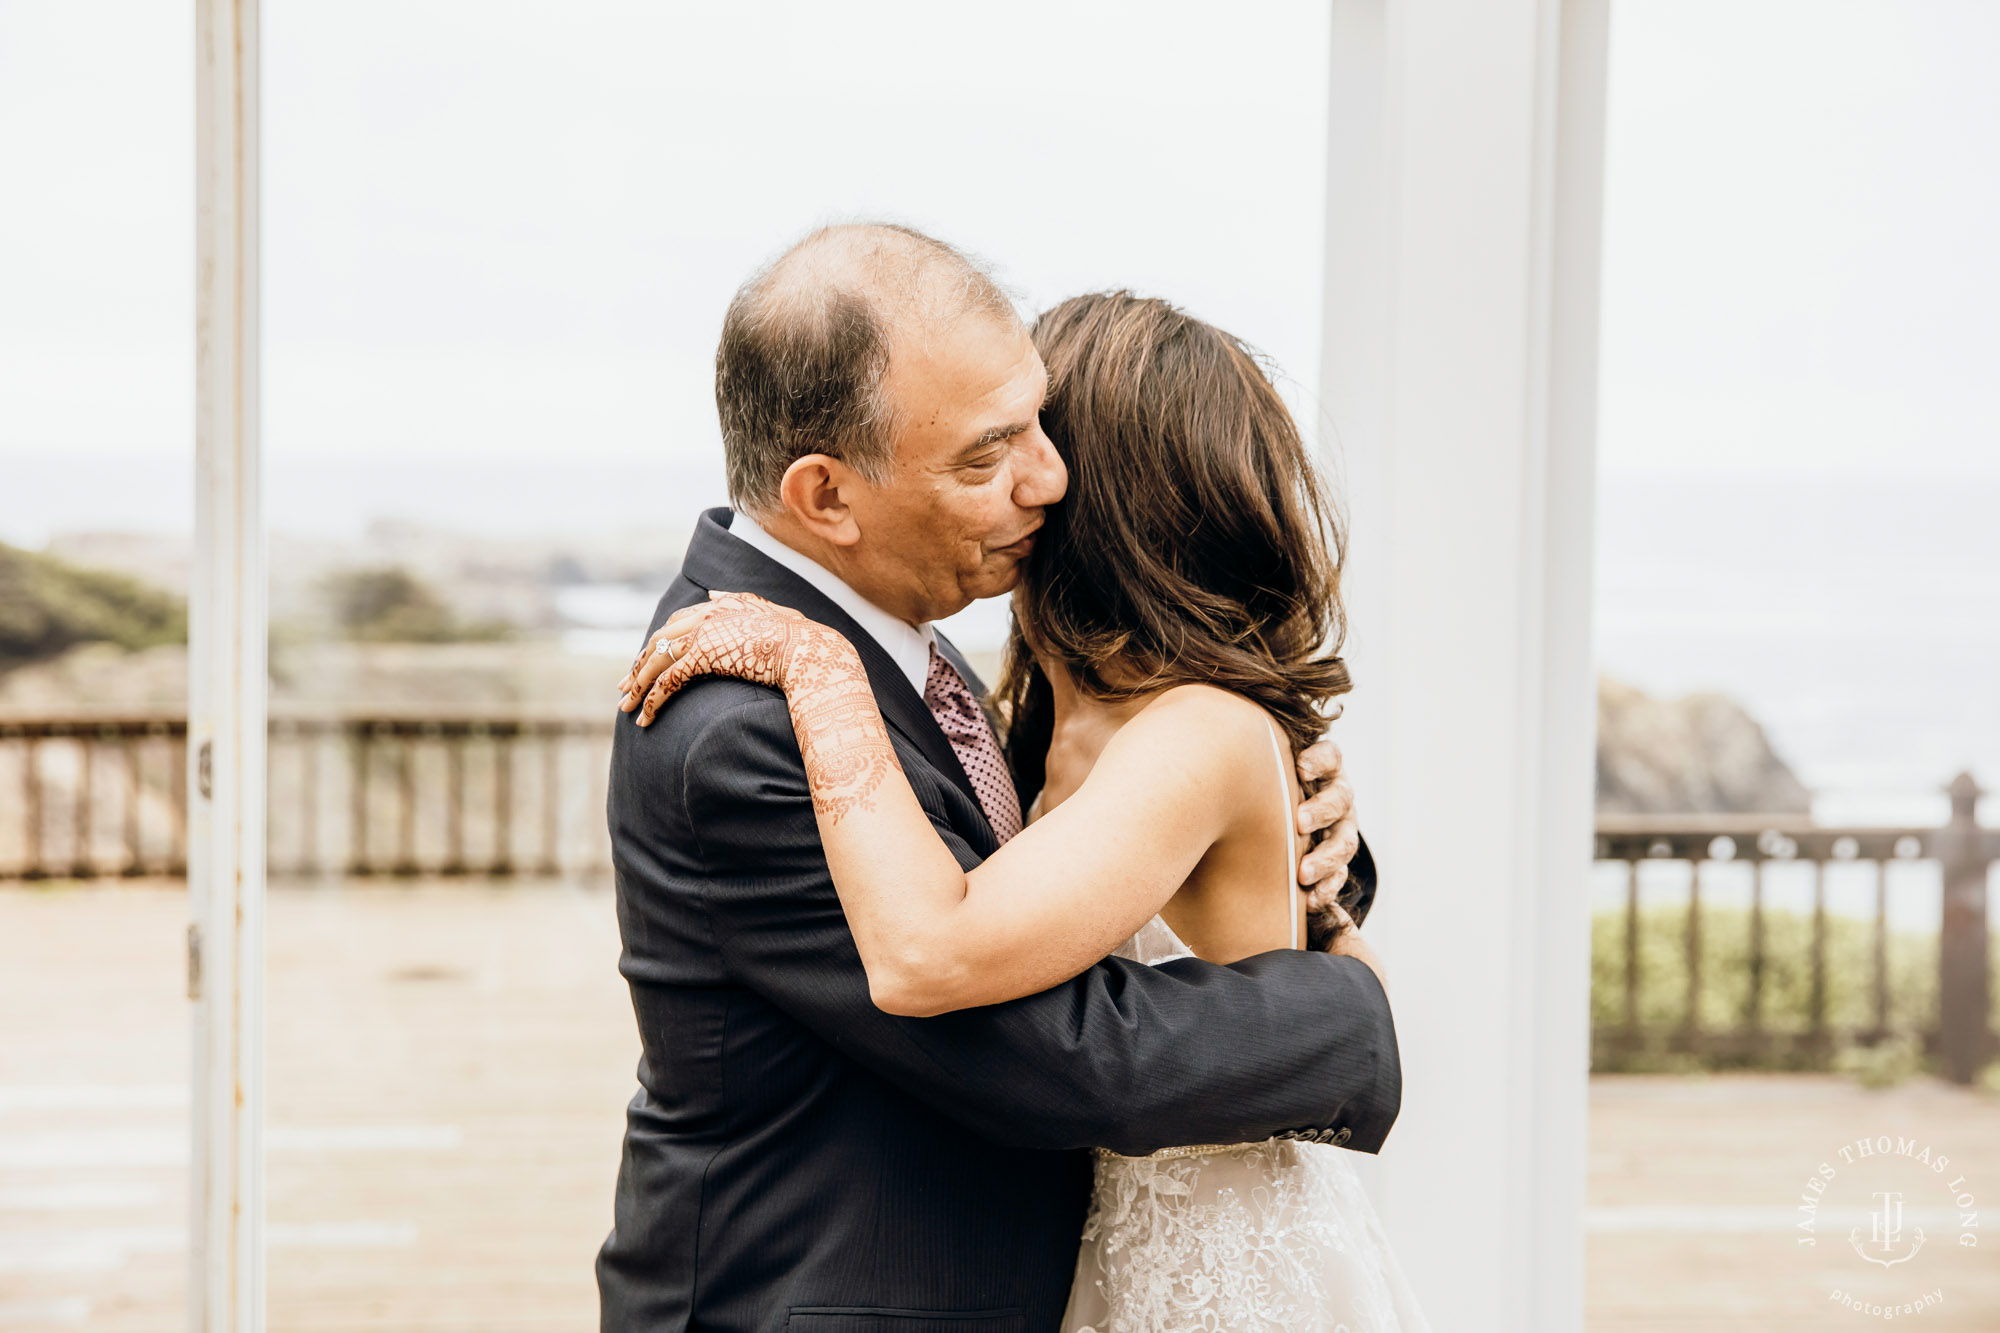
798	1159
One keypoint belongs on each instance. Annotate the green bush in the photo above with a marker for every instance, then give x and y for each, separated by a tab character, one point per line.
1724	1002
391	605
48	606
1885	1064
1725	969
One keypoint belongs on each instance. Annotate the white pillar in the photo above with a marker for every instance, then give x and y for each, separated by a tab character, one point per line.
1465	149
226	676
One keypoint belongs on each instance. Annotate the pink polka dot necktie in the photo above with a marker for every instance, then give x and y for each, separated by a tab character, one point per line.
965	726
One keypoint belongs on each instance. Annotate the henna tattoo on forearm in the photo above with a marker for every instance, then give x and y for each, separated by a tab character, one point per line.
846	748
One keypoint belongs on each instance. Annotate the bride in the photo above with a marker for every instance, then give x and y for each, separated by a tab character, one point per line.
1173	647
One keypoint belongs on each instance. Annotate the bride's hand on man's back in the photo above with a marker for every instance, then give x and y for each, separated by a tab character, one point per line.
1327	816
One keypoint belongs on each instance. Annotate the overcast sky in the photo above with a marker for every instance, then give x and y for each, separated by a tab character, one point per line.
508	231
1801	268
499	239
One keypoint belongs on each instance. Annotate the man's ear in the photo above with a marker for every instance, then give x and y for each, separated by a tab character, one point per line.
819	493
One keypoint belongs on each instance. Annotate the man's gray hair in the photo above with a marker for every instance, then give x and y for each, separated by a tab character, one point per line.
805	349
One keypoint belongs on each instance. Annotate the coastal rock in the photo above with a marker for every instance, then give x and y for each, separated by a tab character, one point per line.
1699	754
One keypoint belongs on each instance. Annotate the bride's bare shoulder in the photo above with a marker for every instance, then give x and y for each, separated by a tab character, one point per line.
1209	703
1208	724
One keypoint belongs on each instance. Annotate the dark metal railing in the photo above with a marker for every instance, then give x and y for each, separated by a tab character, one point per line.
471	794
1959	1029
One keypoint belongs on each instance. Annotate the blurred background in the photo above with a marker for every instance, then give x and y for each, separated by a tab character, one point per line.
498	241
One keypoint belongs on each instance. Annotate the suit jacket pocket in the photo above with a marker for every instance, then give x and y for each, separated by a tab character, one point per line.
885	1319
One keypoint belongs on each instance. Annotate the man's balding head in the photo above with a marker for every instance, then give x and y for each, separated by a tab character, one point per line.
806	345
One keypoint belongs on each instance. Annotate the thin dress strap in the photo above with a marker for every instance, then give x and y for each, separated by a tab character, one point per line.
1291	848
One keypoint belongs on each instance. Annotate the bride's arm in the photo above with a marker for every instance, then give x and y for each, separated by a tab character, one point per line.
1057	898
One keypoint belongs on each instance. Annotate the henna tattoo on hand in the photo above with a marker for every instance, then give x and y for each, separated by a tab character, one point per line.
841	734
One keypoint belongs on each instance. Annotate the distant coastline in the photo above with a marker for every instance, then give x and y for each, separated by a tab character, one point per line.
1856	616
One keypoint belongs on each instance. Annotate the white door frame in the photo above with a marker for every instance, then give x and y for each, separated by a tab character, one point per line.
1465	163
1464	191
226	691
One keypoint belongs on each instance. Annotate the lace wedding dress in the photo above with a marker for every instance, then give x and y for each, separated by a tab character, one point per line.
1245	1238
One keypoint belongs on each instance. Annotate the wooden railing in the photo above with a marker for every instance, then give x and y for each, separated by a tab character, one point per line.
470	794
1957	1030
64	769
502	794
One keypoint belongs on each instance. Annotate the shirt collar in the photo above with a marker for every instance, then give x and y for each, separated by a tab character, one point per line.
908	646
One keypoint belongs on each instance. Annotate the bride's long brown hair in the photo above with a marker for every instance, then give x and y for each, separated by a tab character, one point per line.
1197	542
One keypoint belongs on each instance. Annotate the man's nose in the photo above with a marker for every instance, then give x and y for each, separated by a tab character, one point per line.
1042	478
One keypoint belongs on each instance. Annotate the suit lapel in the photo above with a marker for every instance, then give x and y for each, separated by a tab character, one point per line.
718	562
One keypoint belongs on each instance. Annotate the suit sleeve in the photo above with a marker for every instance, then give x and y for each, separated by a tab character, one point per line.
1125	1056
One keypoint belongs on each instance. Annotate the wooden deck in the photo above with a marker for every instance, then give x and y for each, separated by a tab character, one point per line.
449	1068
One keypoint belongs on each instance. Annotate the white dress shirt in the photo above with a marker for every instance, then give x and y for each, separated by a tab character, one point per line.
908	646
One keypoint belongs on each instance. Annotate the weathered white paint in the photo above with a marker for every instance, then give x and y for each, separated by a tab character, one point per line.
226	690
1464	185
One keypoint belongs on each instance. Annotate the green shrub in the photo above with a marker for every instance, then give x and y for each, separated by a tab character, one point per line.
1885	1064
391	605
1725	970
48	606
1787	992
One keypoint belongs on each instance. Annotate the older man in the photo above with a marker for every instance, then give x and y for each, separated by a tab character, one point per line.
796	1158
